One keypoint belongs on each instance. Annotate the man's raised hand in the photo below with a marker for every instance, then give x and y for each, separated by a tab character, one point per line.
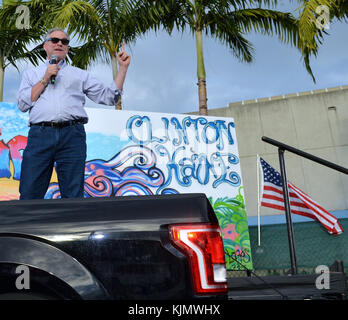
123	57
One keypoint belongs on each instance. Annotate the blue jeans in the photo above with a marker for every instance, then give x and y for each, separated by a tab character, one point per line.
46	145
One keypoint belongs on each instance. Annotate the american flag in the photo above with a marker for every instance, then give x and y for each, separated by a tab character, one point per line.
300	203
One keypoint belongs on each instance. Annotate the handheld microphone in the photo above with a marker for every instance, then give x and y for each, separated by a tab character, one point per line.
53	60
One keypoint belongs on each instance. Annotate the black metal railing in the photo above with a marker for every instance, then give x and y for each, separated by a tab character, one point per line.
282	147
301	153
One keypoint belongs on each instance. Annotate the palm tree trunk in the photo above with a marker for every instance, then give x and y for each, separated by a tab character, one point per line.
202	89
114	72
2	76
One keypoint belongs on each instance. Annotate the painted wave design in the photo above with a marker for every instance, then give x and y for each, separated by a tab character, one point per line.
131	172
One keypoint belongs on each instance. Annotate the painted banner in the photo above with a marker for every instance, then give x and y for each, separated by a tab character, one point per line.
143	153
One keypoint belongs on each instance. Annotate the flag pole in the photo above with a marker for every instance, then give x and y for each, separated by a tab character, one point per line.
258	200
288	212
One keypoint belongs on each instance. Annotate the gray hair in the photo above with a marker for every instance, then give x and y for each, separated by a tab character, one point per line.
55	29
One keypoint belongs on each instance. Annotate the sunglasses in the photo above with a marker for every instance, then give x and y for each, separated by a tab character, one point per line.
56	40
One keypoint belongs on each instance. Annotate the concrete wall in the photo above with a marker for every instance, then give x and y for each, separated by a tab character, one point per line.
315	122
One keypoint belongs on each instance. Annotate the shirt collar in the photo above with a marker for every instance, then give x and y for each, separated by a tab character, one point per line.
61	63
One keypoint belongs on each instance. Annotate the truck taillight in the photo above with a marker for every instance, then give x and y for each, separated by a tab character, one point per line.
202	244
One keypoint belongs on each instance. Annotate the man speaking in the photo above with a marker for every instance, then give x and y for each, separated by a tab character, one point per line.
54	94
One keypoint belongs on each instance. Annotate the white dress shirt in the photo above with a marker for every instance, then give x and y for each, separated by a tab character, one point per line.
65	99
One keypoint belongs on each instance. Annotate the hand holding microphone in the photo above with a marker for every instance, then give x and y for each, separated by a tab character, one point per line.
53	60
52	69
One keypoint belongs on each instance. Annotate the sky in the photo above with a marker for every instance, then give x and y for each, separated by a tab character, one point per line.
162	75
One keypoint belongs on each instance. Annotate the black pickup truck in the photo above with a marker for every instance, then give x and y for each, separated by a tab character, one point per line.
134	247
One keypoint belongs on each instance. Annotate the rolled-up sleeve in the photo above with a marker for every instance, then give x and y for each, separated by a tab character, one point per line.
24	93
99	93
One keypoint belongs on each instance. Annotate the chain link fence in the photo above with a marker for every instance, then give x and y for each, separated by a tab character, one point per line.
314	246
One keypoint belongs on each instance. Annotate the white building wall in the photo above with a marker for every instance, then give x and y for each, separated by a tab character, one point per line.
315	122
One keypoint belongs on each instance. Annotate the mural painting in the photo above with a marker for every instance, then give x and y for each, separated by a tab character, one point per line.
138	153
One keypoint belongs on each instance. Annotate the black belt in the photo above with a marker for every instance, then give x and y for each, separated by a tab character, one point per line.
58	124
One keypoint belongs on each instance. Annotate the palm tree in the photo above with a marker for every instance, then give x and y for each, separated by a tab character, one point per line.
228	21
14	43
342	12
314	16
102	25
